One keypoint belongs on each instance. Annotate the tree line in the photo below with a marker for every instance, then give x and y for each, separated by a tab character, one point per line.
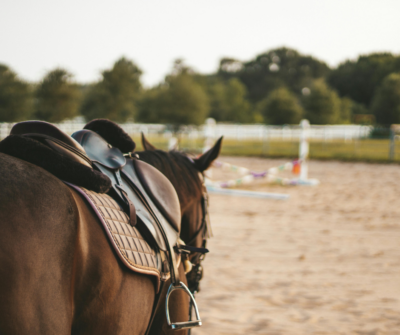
280	86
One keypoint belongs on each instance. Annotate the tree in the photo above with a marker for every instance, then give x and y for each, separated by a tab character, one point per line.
273	69
359	79
178	101
280	107
116	96
15	97
322	105
229	68
228	101
57	98
149	106
386	101
347	106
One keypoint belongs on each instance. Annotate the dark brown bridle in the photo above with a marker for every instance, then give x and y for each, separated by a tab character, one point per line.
196	274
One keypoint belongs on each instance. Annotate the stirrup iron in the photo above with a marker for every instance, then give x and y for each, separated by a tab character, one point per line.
187	324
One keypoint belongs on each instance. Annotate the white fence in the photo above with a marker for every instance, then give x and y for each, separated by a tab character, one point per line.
231	131
326	132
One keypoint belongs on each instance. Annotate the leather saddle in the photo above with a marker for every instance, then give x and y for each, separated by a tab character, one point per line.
142	191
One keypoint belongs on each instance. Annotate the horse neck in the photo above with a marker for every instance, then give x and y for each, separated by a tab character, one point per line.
191	223
186	181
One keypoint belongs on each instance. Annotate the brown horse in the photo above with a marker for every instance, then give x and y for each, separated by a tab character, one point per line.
58	272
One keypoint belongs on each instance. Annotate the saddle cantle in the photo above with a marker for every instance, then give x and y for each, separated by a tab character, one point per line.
112	133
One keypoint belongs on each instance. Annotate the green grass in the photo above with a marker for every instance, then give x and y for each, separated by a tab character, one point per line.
366	150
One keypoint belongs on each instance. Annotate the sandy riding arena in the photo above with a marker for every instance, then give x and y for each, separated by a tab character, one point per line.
326	261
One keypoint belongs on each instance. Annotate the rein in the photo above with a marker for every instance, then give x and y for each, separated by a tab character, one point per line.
196	274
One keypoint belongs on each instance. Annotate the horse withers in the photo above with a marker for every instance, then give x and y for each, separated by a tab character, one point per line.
58	272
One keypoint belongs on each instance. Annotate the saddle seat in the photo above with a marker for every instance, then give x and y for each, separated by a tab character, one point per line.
99	150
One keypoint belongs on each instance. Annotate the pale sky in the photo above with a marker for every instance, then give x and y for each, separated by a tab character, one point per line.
87	36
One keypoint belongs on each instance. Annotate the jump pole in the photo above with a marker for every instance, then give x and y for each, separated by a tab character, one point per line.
251	194
209	132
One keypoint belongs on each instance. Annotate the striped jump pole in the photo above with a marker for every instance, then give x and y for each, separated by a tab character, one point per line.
251	194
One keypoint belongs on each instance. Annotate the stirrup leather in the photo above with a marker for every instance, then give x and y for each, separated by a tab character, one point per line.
187	324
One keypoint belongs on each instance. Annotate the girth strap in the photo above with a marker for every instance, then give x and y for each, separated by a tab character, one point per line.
131	206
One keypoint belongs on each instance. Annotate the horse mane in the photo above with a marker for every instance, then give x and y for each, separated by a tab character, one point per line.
179	169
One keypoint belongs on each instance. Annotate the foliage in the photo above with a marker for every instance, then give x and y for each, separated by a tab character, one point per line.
178	101
57	98
386	101
323	105
114	97
228	101
358	108
346	110
149	105
274	69
280	107
15	97
229	68
359	79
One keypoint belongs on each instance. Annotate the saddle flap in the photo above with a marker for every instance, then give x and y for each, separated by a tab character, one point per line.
161	192
130	175
99	150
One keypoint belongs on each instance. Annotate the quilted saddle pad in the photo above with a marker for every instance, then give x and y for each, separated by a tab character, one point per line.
132	249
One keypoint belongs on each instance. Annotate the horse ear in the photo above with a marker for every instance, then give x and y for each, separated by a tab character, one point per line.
203	162
146	144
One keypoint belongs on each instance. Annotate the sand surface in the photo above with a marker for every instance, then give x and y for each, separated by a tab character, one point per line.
326	261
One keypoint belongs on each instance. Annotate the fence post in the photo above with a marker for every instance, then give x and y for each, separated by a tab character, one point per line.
265	142
172	143
392	142
304	149
209	133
